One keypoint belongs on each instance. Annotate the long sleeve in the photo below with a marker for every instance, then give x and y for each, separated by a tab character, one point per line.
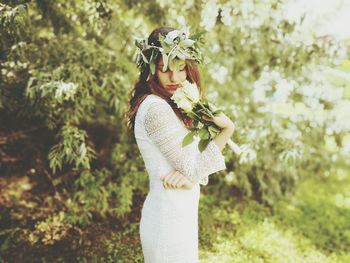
165	130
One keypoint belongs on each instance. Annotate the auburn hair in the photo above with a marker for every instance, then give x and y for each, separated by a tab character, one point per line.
148	84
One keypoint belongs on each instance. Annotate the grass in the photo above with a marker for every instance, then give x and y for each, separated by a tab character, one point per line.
313	227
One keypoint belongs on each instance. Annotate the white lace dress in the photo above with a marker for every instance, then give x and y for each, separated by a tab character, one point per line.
169	217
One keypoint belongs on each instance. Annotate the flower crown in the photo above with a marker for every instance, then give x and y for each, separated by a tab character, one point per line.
175	46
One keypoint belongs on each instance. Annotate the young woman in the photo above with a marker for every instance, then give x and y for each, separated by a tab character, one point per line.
169	217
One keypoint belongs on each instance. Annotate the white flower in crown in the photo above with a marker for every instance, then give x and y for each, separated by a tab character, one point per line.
176	36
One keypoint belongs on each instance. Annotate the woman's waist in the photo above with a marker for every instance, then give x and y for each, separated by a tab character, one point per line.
156	186
172	200
161	195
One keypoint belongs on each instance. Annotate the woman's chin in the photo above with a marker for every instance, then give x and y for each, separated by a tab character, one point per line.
170	91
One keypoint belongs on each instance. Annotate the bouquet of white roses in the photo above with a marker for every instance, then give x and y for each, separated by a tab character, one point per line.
188	99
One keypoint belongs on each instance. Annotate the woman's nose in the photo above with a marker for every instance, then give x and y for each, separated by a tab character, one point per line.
174	75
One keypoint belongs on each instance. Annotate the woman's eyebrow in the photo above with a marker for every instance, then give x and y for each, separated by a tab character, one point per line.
162	65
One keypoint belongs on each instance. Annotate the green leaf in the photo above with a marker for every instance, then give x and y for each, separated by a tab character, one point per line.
203	144
144	58
188	138
203	134
191	115
152	67
165	61
197	35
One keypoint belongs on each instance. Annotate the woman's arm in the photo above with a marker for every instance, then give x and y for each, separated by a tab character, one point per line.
227	126
164	128
176	180
222	138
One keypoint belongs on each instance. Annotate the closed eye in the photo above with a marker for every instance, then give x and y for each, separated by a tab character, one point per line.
181	68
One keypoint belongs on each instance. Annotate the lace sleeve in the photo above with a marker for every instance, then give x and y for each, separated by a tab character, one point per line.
164	129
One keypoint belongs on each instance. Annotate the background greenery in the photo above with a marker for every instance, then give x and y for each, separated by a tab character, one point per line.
73	182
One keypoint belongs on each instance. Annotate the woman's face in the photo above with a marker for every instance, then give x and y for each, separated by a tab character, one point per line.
172	78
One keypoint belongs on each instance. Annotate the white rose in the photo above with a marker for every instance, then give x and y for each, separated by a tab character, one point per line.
185	105
178	95
186	96
191	91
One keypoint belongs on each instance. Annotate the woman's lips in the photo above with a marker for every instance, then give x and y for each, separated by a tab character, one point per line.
173	87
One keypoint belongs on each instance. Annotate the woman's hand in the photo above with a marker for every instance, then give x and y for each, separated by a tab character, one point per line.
221	121
176	180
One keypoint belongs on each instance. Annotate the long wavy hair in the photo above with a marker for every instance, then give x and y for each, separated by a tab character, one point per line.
148	84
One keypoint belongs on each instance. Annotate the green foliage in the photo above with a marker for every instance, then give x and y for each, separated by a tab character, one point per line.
118	250
321	213
93	194
72	148
50	231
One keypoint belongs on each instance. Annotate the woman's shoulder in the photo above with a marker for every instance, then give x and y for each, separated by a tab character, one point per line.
154	97
152	100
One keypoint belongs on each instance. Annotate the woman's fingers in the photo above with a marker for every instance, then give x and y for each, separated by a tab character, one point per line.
188	184
167	179
221	120
175	180
182	183
206	118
